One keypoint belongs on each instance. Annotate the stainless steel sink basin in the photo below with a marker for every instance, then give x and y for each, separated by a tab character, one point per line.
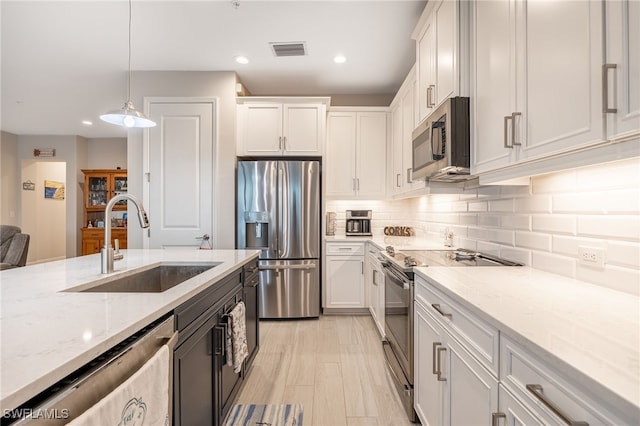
154	280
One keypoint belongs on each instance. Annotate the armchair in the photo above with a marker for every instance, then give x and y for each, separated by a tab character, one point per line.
14	246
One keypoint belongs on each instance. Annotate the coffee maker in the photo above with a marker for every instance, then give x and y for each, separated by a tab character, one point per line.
358	222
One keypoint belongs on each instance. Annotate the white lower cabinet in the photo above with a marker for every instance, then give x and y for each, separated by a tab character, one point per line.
375	286
344	275
451	386
513	412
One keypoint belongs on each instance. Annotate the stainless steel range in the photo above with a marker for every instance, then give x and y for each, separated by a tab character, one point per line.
399	295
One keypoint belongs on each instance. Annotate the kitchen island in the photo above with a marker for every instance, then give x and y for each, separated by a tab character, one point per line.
48	332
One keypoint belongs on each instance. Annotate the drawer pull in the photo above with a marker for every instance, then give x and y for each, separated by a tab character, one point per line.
437	307
537	391
495	418
435	368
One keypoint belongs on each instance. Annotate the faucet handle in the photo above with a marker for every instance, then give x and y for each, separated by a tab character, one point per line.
116	253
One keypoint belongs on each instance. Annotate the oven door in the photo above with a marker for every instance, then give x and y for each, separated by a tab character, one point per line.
398	317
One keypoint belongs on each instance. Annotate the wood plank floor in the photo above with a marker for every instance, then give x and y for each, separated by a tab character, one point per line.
333	366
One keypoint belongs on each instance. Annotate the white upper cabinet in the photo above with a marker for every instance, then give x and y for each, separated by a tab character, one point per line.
403	121
356	153
540	87
437	54
287	126
622	79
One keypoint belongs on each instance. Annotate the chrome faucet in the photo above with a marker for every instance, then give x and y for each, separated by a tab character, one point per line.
108	255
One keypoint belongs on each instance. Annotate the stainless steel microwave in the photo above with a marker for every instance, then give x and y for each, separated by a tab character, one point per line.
441	147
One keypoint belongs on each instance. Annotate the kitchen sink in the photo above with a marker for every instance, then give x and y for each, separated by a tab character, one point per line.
154	280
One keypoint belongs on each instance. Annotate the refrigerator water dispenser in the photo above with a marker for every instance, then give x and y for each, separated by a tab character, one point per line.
257	229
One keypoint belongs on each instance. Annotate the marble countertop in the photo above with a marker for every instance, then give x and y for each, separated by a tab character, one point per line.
588	331
46	333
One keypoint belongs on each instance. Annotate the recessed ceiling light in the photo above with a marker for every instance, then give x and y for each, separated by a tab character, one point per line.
339	59
87	122
241	59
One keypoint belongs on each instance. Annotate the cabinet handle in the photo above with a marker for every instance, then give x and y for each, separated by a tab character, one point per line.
358	184
353	184
374	277
284	143
439	374
437	307
495	418
410	175
280	142
430	96
435	368
506	132
398	180
605	88
513	128
221	330
537	391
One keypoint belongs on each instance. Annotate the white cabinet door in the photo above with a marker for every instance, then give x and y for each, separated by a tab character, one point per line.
271	128
559	86
493	84
446	28
345	282
371	154
181	164
472	390
428	391
341	154
426	46
623	81
261	129
395	178
302	129
514	412
356	154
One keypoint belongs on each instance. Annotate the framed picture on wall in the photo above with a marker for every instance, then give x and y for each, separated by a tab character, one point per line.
53	190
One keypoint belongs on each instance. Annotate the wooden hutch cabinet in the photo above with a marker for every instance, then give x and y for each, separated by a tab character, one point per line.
99	187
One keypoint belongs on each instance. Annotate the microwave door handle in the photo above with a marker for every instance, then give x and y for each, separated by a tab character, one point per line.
436	145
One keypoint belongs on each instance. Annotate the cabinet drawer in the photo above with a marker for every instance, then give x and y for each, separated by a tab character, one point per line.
345	249
539	386
481	339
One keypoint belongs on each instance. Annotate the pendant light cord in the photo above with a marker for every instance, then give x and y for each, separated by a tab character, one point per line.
129	88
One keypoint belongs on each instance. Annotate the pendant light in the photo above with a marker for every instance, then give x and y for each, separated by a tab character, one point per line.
128	116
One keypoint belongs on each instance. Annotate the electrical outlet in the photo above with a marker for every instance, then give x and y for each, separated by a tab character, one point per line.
591	256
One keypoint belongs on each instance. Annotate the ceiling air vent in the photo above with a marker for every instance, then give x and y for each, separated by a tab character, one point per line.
289	49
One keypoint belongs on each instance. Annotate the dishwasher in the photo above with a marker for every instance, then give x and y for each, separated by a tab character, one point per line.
70	398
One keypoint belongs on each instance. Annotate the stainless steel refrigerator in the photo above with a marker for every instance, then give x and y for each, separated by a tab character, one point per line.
278	212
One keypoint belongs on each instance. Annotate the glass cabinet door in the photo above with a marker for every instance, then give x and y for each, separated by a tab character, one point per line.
98	191
120	187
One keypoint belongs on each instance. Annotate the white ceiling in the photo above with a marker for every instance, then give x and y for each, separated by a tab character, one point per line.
66	61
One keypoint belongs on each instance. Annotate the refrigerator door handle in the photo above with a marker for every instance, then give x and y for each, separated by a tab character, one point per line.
280	267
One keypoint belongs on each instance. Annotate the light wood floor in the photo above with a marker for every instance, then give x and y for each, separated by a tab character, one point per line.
333	366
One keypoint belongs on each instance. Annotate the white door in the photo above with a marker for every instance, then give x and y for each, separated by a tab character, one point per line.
493	84
345	281
181	150
426	70
559	62
428	338
396	184
371	154
446	28
623	81
261	129
302	134
341	154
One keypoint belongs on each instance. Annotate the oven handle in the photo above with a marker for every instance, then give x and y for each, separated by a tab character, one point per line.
396	278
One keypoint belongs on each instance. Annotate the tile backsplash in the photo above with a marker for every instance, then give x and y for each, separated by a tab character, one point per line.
542	225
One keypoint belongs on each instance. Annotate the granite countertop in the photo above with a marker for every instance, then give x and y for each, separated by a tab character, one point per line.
46	333
590	332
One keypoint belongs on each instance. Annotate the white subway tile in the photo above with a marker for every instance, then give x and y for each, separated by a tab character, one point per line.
561	224
616	278
613	175
554	183
489	220
501	236
623	253
602	202
533	240
468	219
479	206
624	227
516	255
516	221
533	204
501	206
568	245
553	263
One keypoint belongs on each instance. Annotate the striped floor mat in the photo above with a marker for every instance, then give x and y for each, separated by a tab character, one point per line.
265	415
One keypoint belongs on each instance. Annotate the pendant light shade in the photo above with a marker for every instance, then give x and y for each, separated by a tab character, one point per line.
128	115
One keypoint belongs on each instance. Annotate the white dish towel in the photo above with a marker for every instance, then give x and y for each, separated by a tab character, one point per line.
143	399
237	349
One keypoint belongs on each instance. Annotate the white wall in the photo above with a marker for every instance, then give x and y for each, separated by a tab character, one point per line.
9	180
73	151
541	225
44	219
219	85
107	153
